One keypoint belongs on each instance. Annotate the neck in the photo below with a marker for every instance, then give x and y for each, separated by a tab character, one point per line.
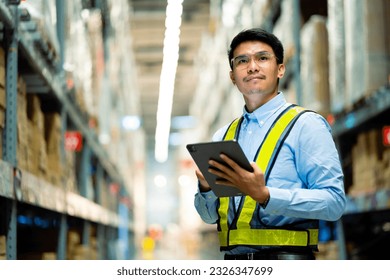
254	100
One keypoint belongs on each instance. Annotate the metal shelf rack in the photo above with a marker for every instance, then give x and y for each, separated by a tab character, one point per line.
21	191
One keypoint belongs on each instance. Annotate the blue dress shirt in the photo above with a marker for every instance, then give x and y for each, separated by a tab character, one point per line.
306	180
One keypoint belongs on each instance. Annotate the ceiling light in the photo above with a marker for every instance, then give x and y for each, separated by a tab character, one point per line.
160	181
131	123
167	79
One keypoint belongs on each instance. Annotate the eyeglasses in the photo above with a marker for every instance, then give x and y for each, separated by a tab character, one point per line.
242	61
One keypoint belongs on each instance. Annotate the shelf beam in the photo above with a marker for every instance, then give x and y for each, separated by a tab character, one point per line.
374	105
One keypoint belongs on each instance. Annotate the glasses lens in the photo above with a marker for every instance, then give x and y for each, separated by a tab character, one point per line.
263	56
242	61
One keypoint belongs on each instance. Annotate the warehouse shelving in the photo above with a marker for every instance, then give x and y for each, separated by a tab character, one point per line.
57	211
364	225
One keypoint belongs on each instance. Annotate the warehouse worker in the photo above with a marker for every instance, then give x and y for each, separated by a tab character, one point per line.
296	180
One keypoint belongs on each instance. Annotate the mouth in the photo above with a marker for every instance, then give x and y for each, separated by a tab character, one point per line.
256	77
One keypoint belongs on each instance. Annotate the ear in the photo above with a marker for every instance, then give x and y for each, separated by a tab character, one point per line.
232	77
281	70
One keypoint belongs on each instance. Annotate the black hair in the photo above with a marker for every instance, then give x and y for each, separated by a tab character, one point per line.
257	34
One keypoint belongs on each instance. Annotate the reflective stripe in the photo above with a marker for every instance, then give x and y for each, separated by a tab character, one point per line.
223	211
268	237
242	234
224	201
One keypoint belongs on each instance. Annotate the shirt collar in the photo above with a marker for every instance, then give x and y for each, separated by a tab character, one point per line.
262	113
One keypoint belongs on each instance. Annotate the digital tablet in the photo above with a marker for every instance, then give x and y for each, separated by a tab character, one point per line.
203	152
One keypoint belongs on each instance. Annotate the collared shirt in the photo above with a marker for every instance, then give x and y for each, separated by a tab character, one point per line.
306	180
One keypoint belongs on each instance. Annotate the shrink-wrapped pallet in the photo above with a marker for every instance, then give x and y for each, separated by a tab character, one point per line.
336	37
283	29
366	47
314	65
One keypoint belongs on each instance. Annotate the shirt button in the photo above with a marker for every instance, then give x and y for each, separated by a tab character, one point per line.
261	123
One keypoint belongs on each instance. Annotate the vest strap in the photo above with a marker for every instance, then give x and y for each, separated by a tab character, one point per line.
275	137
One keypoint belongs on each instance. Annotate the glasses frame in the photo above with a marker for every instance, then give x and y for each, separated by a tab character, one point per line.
251	57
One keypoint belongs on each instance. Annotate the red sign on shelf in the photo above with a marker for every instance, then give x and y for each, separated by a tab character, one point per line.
73	141
386	135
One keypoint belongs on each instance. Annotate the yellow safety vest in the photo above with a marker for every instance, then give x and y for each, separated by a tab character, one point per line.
242	233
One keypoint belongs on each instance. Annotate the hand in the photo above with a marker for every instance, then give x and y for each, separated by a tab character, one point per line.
203	185
250	183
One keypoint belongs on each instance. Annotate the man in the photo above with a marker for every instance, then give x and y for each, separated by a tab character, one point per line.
297	179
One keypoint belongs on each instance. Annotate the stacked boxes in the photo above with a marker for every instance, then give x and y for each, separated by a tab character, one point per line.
49	256
37	158
22	123
328	251
73	241
70	171
386	168
370	163
3	249
78	251
53	147
39	138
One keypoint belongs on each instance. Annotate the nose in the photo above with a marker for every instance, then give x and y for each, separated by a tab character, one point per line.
252	66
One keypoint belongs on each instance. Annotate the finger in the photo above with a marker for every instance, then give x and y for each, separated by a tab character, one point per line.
256	168
219	167
199	174
216	171
234	165
225	182
229	162
201	179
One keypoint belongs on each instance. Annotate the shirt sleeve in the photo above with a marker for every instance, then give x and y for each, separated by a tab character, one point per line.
318	166
206	205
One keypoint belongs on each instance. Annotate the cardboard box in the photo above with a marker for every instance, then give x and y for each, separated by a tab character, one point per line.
2	57
34	112
2	117
3	99
53	132
2	76
3	245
